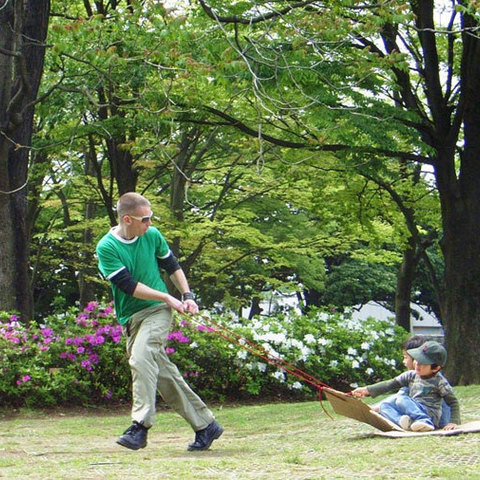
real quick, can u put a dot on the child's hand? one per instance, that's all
(361, 392)
(450, 426)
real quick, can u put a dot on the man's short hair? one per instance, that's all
(129, 202)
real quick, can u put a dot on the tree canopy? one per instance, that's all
(324, 148)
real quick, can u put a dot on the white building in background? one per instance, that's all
(422, 323)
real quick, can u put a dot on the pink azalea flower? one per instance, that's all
(91, 306)
(94, 358)
(86, 364)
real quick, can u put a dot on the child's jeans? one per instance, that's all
(444, 419)
(404, 405)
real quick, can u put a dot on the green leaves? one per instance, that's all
(201, 116)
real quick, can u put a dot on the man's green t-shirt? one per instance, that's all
(139, 257)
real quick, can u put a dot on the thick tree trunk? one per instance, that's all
(23, 29)
(460, 305)
(460, 201)
(121, 160)
(7, 253)
(461, 302)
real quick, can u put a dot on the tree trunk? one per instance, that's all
(405, 276)
(460, 200)
(121, 159)
(255, 308)
(7, 257)
(460, 305)
(311, 298)
(23, 29)
(86, 270)
(178, 185)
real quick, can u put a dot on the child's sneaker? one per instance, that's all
(420, 426)
(405, 422)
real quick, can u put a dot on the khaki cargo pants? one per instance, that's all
(151, 370)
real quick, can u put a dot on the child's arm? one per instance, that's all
(377, 389)
(452, 402)
(361, 392)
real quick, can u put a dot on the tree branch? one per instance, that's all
(249, 21)
(239, 125)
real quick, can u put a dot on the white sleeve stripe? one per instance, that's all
(116, 272)
(167, 255)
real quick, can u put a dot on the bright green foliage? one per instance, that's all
(137, 107)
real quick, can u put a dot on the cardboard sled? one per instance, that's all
(349, 406)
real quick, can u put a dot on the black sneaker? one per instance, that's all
(134, 437)
(204, 438)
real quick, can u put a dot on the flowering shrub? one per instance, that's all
(71, 359)
(330, 346)
(78, 358)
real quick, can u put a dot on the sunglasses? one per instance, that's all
(142, 219)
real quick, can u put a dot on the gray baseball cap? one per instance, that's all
(428, 353)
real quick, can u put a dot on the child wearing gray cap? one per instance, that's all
(421, 409)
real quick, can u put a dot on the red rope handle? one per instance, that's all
(261, 352)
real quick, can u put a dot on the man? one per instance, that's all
(128, 256)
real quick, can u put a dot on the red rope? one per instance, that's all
(261, 352)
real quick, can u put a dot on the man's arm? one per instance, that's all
(144, 292)
(179, 279)
(124, 280)
(177, 276)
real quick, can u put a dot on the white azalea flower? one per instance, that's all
(309, 338)
(242, 354)
(261, 367)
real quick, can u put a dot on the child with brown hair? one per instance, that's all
(421, 409)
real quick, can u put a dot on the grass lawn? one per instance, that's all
(273, 441)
